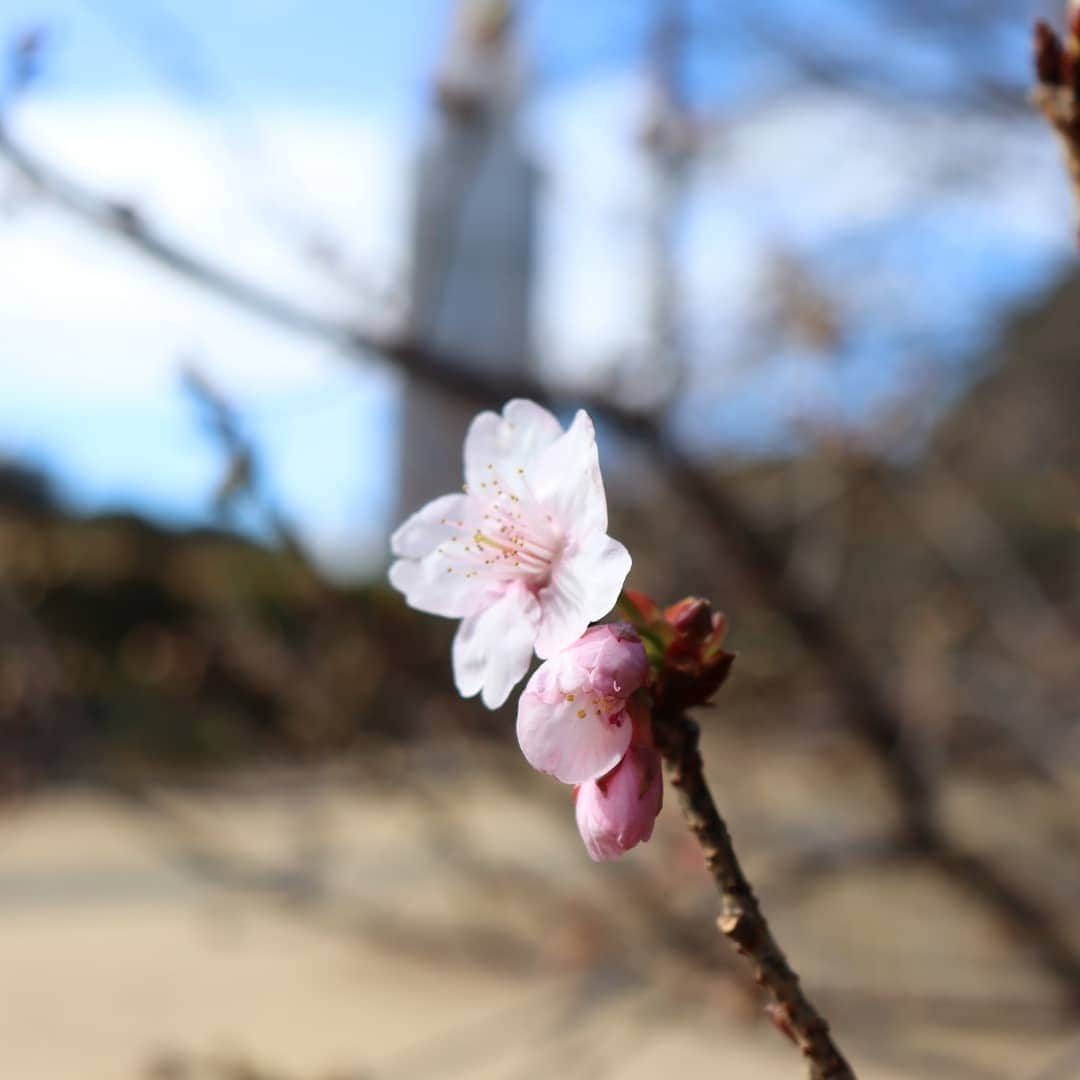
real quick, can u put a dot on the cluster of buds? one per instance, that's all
(685, 644)
(585, 716)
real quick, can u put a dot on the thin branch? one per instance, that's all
(741, 919)
(1057, 92)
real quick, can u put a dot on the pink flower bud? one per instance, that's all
(614, 659)
(618, 811)
(572, 720)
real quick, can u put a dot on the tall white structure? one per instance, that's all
(472, 243)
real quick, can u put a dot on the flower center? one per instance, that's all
(516, 538)
(600, 707)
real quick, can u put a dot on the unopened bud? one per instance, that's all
(695, 664)
(691, 618)
(617, 812)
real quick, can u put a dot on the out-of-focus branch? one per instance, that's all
(866, 709)
(741, 919)
(1057, 91)
(821, 63)
(243, 477)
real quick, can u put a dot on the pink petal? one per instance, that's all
(558, 740)
(493, 649)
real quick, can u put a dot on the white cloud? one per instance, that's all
(173, 167)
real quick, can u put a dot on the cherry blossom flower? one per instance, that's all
(522, 555)
(573, 721)
(618, 811)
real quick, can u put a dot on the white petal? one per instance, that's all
(573, 748)
(567, 481)
(508, 442)
(430, 578)
(431, 525)
(584, 586)
(433, 585)
(563, 619)
(492, 649)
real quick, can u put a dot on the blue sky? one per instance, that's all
(277, 51)
(252, 127)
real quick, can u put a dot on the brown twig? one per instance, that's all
(741, 919)
(1056, 93)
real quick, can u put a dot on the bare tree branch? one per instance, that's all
(1056, 94)
(741, 919)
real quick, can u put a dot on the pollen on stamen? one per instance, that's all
(569, 697)
(581, 714)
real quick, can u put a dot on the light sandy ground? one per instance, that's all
(129, 943)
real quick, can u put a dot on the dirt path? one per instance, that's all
(126, 952)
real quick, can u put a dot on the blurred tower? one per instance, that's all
(670, 138)
(472, 242)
